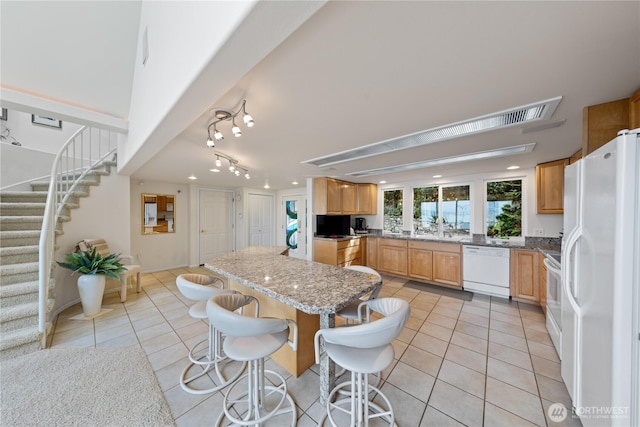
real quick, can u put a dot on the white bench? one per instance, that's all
(127, 262)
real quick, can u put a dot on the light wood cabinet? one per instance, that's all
(575, 157)
(392, 256)
(550, 186)
(420, 261)
(348, 197)
(634, 110)
(525, 282)
(542, 275)
(367, 199)
(446, 268)
(372, 252)
(601, 123)
(335, 197)
(435, 262)
(340, 253)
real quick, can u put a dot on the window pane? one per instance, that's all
(456, 210)
(425, 210)
(504, 208)
(393, 211)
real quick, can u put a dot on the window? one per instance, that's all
(392, 211)
(441, 210)
(425, 210)
(504, 208)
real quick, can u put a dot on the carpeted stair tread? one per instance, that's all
(19, 288)
(19, 337)
(18, 311)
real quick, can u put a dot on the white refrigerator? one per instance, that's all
(600, 273)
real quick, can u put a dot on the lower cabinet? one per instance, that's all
(372, 252)
(525, 275)
(434, 262)
(340, 253)
(446, 268)
(392, 256)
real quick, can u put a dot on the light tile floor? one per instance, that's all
(486, 362)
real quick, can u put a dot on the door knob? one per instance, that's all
(202, 231)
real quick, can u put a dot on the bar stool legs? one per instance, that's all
(357, 404)
(258, 401)
(214, 360)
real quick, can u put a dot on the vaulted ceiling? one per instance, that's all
(354, 74)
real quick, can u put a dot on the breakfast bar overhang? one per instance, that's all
(308, 292)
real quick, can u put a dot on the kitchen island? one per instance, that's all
(308, 292)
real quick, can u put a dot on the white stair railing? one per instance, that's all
(84, 152)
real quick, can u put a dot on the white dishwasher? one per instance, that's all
(486, 270)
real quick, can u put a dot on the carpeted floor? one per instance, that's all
(82, 387)
(441, 290)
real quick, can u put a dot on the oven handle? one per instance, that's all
(551, 267)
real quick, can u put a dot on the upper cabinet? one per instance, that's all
(550, 186)
(367, 199)
(601, 123)
(634, 110)
(335, 197)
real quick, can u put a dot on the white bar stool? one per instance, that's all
(350, 312)
(251, 339)
(363, 349)
(201, 288)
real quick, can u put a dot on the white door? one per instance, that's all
(261, 220)
(294, 228)
(215, 221)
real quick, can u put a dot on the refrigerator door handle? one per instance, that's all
(567, 271)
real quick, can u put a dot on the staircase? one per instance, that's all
(25, 297)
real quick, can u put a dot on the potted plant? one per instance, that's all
(93, 269)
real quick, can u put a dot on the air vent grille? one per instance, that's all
(501, 152)
(542, 110)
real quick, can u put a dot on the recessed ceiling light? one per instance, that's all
(295, 182)
(192, 177)
(480, 155)
(267, 186)
(537, 111)
(514, 167)
(214, 170)
(437, 176)
(383, 182)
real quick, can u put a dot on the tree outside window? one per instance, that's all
(504, 208)
(441, 210)
(392, 211)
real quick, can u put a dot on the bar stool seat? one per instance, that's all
(363, 349)
(209, 357)
(350, 312)
(251, 339)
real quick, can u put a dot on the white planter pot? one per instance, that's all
(91, 288)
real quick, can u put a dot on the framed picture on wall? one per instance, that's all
(4, 114)
(46, 121)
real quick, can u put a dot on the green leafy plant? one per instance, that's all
(85, 262)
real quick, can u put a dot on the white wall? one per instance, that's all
(37, 137)
(19, 165)
(551, 224)
(162, 251)
(104, 214)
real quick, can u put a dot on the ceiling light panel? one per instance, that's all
(480, 155)
(541, 110)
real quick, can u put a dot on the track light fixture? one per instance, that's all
(223, 115)
(234, 167)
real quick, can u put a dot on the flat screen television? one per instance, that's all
(333, 225)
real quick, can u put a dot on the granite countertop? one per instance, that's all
(308, 286)
(545, 244)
